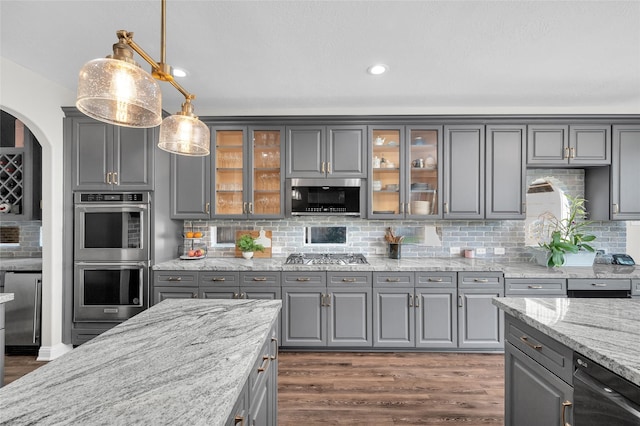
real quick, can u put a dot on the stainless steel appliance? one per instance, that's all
(326, 259)
(325, 196)
(23, 313)
(600, 289)
(111, 256)
(601, 397)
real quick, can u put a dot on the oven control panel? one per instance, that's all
(124, 197)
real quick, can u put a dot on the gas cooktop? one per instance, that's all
(326, 259)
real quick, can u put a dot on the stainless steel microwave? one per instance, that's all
(325, 197)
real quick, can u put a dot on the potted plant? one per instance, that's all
(569, 237)
(247, 245)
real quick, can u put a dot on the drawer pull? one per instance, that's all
(526, 341)
(175, 279)
(599, 284)
(265, 364)
(349, 280)
(435, 280)
(303, 279)
(481, 280)
(565, 404)
(393, 280)
(218, 279)
(194, 295)
(275, 340)
(238, 420)
(259, 278)
(536, 287)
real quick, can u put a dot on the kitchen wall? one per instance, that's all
(367, 236)
(30, 241)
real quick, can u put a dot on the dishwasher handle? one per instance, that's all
(37, 314)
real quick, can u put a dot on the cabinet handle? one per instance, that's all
(275, 340)
(322, 169)
(329, 168)
(328, 299)
(408, 208)
(194, 295)
(566, 152)
(108, 178)
(236, 295)
(524, 207)
(174, 279)
(238, 420)
(34, 337)
(599, 284)
(460, 301)
(411, 300)
(259, 278)
(572, 152)
(207, 206)
(265, 364)
(616, 209)
(349, 280)
(563, 417)
(435, 280)
(244, 208)
(322, 300)
(115, 178)
(446, 207)
(250, 208)
(243, 295)
(218, 279)
(416, 301)
(393, 280)
(303, 279)
(536, 287)
(481, 280)
(526, 341)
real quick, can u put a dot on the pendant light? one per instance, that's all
(116, 90)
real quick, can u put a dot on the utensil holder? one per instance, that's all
(394, 250)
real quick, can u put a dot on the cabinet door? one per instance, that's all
(230, 183)
(533, 395)
(590, 145)
(349, 317)
(133, 158)
(303, 316)
(306, 151)
(422, 182)
(219, 292)
(346, 152)
(161, 293)
(190, 187)
(92, 154)
(394, 317)
(386, 175)
(625, 173)
(547, 145)
(464, 172)
(480, 322)
(437, 318)
(266, 165)
(506, 172)
(240, 412)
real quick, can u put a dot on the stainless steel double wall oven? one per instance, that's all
(111, 255)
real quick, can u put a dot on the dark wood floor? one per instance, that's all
(375, 388)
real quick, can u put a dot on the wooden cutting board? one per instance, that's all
(266, 236)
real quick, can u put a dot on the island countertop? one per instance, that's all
(604, 330)
(6, 297)
(183, 361)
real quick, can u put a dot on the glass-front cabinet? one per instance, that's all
(404, 180)
(248, 172)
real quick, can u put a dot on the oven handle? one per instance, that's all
(118, 206)
(112, 265)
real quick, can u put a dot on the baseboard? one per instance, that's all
(49, 353)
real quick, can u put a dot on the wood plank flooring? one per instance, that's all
(332, 388)
(390, 388)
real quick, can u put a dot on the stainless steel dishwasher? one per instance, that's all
(23, 313)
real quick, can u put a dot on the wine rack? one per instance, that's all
(12, 181)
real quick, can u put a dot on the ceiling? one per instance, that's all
(310, 57)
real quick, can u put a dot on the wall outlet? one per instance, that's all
(454, 250)
(481, 250)
(276, 250)
(499, 250)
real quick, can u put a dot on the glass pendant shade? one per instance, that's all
(184, 135)
(118, 92)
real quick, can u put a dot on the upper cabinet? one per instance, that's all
(326, 151)
(561, 145)
(110, 158)
(404, 179)
(625, 173)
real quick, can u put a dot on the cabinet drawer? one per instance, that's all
(547, 352)
(312, 278)
(533, 287)
(480, 279)
(262, 366)
(436, 279)
(175, 278)
(598, 284)
(213, 278)
(349, 278)
(393, 279)
(257, 278)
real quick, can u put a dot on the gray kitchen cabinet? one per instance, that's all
(218, 285)
(436, 310)
(535, 287)
(393, 310)
(349, 304)
(110, 158)
(538, 378)
(161, 293)
(561, 145)
(506, 172)
(464, 172)
(240, 412)
(480, 322)
(625, 173)
(190, 187)
(326, 151)
(174, 284)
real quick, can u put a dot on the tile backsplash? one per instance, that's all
(436, 238)
(28, 233)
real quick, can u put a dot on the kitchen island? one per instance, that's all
(179, 362)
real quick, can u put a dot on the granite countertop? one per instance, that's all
(182, 361)
(21, 264)
(604, 330)
(383, 264)
(6, 297)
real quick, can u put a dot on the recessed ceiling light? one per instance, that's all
(178, 72)
(377, 69)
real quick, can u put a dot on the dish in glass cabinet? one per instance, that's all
(392, 143)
